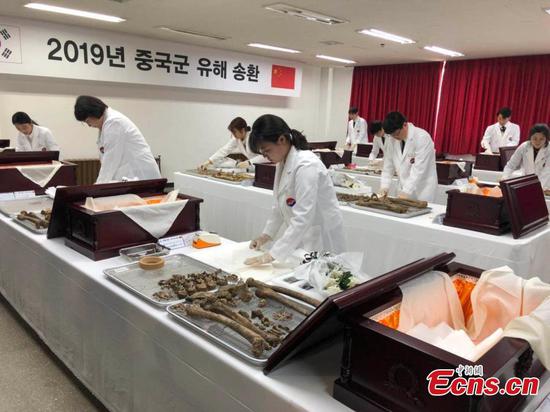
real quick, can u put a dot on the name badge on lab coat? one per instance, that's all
(290, 201)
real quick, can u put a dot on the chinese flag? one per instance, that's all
(282, 77)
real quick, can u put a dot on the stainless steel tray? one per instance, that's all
(30, 226)
(135, 253)
(412, 213)
(240, 183)
(363, 172)
(35, 204)
(231, 340)
(349, 191)
(144, 283)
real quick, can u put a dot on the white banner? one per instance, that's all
(52, 50)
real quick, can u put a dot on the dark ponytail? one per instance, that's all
(22, 118)
(238, 123)
(268, 128)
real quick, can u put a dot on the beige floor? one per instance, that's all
(31, 377)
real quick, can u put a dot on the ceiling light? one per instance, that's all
(547, 10)
(440, 50)
(74, 12)
(335, 59)
(304, 14)
(191, 33)
(268, 47)
(387, 36)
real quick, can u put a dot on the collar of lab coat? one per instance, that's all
(408, 143)
(541, 157)
(291, 162)
(33, 134)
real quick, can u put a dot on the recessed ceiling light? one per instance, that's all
(335, 59)
(74, 12)
(268, 47)
(386, 36)
(547, 10)
(441, 50)
(303, 14)
(191, 33)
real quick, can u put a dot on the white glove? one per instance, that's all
(259, 241)
(205, 165)
(260, 260)
(243, 165)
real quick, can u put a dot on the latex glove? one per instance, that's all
(259, 241)
(403, 196)
(243, 165)
(483, 145)
(260, 260)
(205, 165)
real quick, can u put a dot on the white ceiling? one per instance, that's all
(477, 28)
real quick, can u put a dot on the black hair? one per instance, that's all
(88, 106)
(268, 128)
(393, 121)
(375, 126)
(238, 123)
(540, 128)
(506, 112)
(353, 110)
(22, 118)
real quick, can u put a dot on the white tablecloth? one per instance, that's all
(240, 212)
(133, 356)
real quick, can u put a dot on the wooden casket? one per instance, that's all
(521, 208)
(495, 162)
(331, 145)
(4, 143)
(448, 171)
(264, 175)
(333, 158)
(11, 180)
(100, 235)
(384, 369)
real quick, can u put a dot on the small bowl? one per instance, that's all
(151, 262)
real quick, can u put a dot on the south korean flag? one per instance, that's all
(10, 44)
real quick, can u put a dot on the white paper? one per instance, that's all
(157, 219)
(40, 174)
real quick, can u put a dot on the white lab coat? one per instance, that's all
(40, 139)
(126, 154)
(237, 146)
(314, 222)
(524, 158)
(494, 139)
(415, 167)
(377, 145)
(357, 133)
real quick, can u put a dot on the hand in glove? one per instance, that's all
(259, 241)
(260, 260)
(243, 165)
(205, 165)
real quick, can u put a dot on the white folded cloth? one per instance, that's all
(40, 174)
(156, 219)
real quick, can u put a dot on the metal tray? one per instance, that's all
(35, 204)
(231, 340)
(348, 191)
(363, 172)
(144, 283)
(30, 226)
(413, 211)
(135, 253)
(240, 183)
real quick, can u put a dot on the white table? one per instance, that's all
(133, 356)
(240, 212)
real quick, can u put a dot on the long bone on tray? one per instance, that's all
(271, 294)
(250, 282)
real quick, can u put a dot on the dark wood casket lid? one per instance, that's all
(323, 145)
(4, 143)
(364, 149)
(24, 157)
(67, 195)
(506, 153)
(325, 319)
(524, 200)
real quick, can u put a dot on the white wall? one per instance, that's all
(184, 126)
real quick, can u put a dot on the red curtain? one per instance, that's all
(474, 90)
(409, 88)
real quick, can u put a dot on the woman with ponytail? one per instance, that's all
(32, 137)
(305, 203)
(237, 145)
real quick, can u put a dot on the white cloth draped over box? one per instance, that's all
(240, 212)
(133, 356)
(40, 174)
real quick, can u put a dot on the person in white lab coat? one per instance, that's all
(31, 136)
(237, 145)
(410, 153)
(305, 204)
(380, 138)
(502, 133)
(533, 156)
(357, 129)
(125, 155)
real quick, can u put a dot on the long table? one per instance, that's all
(133, 356)
(240, 212)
